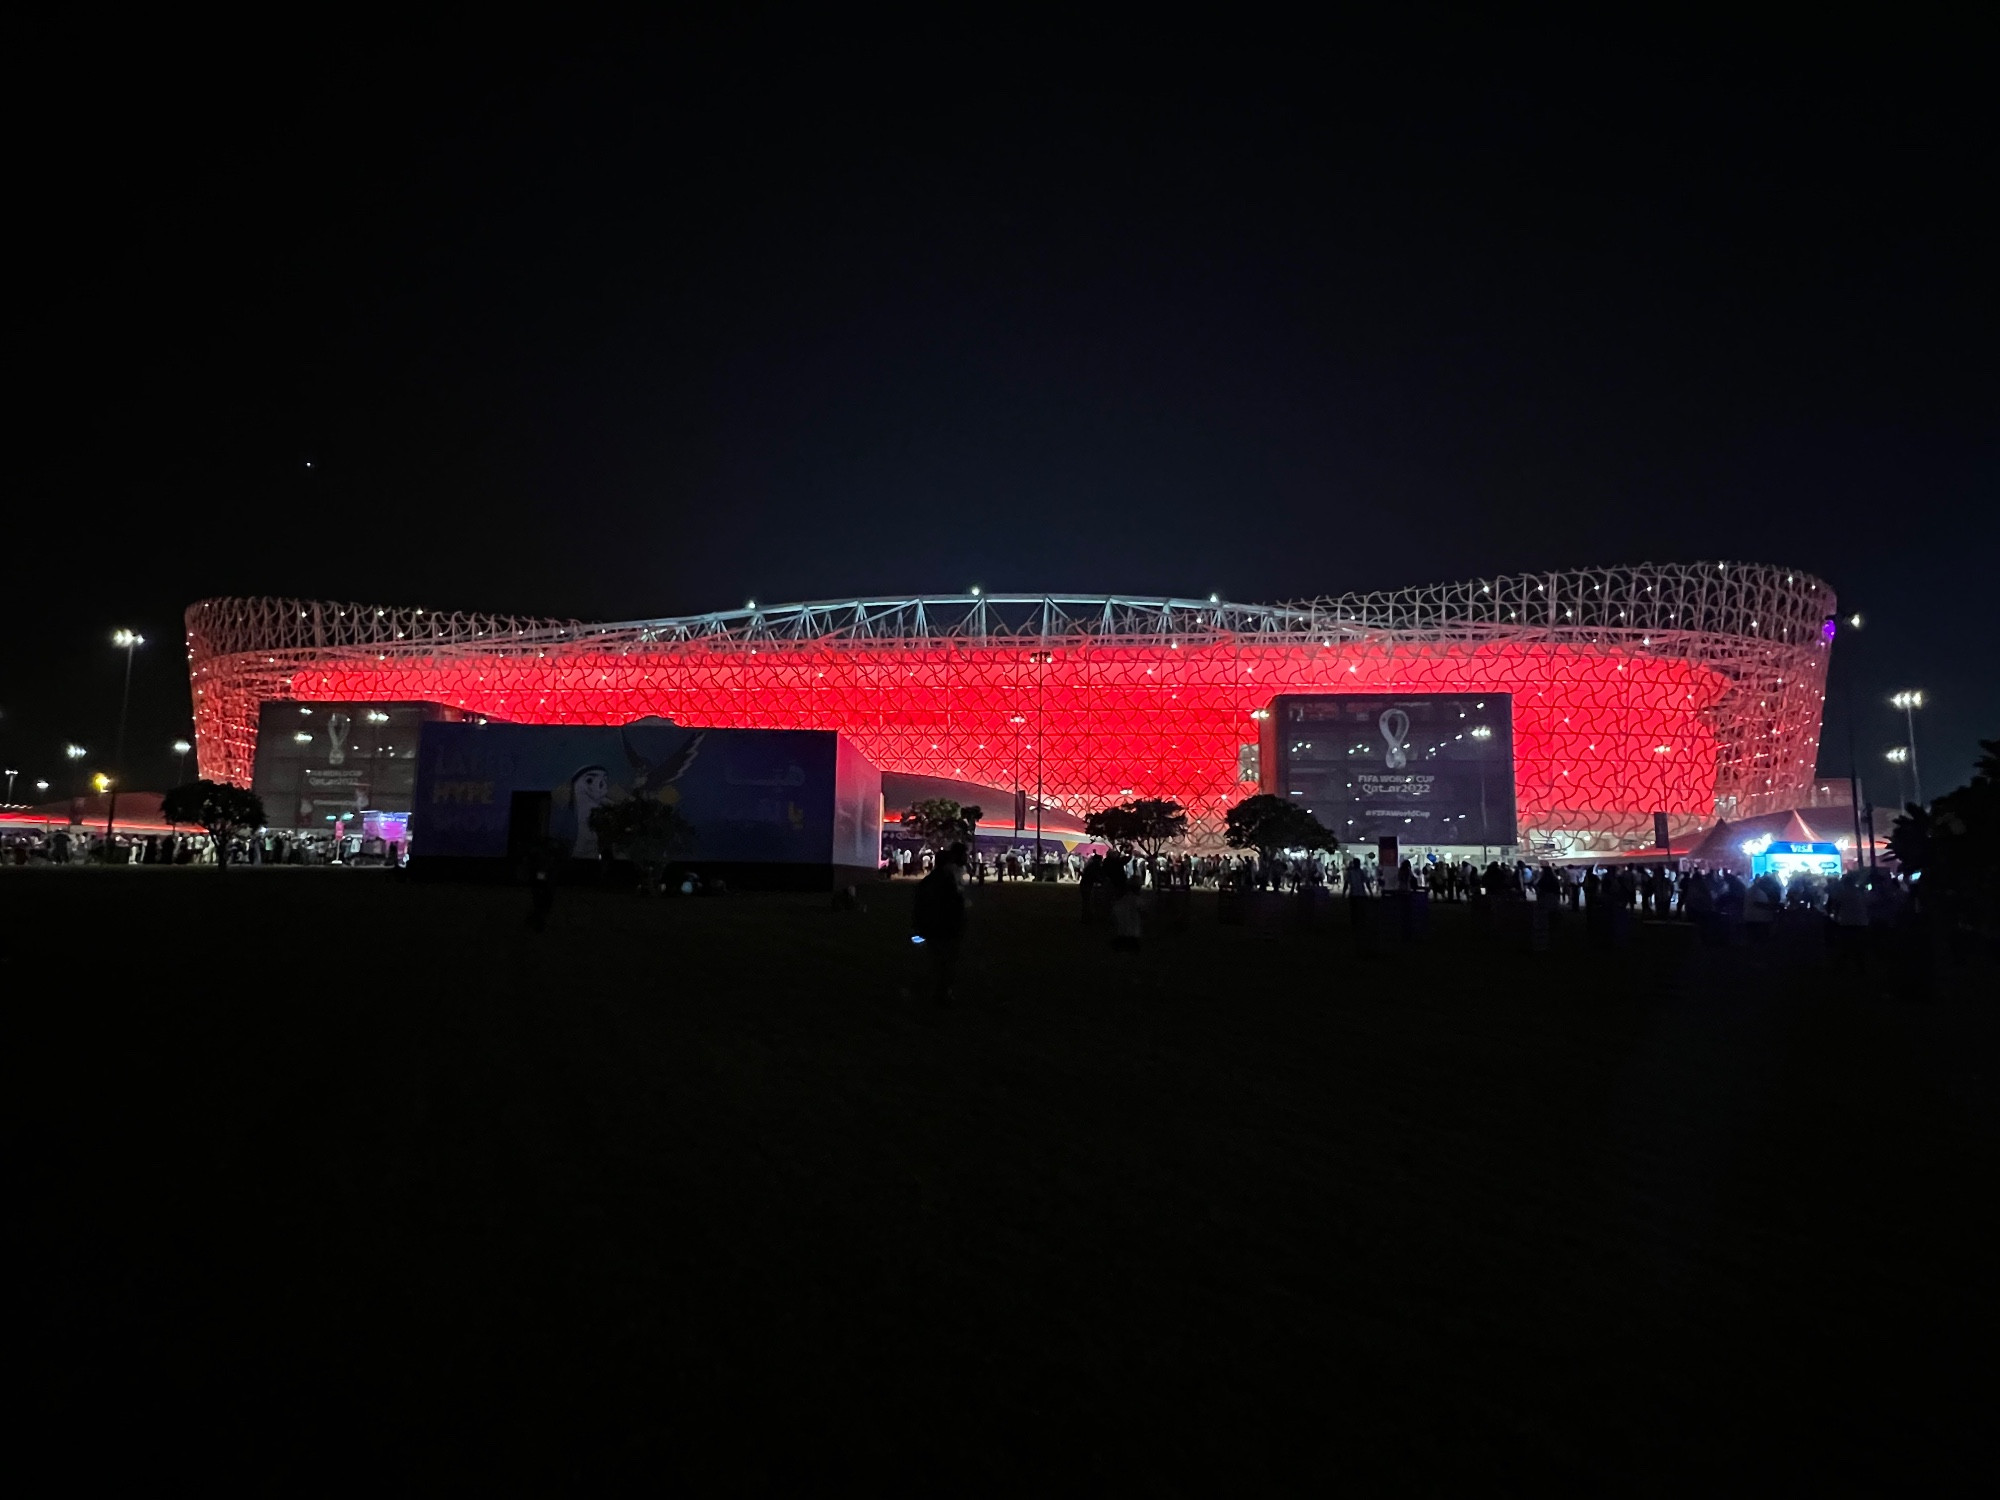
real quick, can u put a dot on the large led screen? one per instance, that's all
(1429, 768)
(318, 762)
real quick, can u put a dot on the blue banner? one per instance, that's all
(746, 794)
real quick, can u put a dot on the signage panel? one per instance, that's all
(785, 796)
(317, 762)
(1424, 768)
(1786, 859)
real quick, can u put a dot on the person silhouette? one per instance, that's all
(938, 915)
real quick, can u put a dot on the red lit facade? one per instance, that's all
(1695, 690)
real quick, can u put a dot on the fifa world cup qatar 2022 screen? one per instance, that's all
(1428, 768)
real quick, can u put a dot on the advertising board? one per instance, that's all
(1785, 860)
(784, 796)
(1424, 768)
(317, 762)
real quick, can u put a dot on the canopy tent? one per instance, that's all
(1723, 844)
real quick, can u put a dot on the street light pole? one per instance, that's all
(1900, 757)
(181, 748)
(128, 639)
(1017, 721)
(1909, 703)
(1041, 660)
(1854, 792)
(11, 774)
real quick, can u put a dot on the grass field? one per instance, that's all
(326, 1174)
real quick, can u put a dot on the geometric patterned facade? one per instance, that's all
(1692, 689)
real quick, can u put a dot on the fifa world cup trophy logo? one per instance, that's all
(336, 739)
(1396, 732)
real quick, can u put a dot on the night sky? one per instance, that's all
(647, 325)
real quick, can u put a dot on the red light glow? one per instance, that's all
(1691, 689)
(1160, 722)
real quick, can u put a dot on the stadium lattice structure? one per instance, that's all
(1691, 689)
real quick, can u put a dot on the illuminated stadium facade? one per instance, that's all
(1690, 689)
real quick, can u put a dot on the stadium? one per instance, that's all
(1695, 690)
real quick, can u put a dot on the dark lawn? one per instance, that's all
(322, 1173)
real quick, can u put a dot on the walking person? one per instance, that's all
(938, 914)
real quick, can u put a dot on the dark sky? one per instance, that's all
(649, 326)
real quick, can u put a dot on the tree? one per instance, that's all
(941, 822)
(1271, 824)
(1946, 849)
(218, 809)
(1144, 827)
(644, 830)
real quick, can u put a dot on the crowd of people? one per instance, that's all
(981, 865)
(1114, 885)
(64, 846)
(1655, 889)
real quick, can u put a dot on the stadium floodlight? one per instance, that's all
(1909, 701)
(125, 640)
(75, 752)
(1899, 757)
